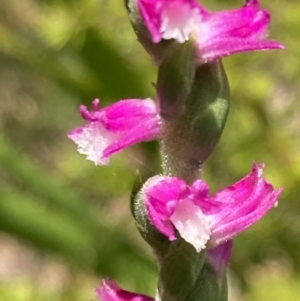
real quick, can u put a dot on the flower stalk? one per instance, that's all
(190, 230)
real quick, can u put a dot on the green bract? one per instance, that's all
(191, 137)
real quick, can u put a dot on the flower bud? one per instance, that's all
(175, 79)
(190, 138)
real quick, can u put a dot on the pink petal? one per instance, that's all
(219, 257)
(202, 198)
(244, 203)
(161, 195)
(144, 129)
(126, 114)
(121, 115)
(110, 291)
(245, 22)
(224, 47)
(233, 227)
(242, 189)
(235, 31)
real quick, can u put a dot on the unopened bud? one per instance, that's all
(175, 79)
(191, 138)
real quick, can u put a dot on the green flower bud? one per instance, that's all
(176, 75)
(191, 137)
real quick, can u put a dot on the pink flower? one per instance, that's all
(215, 34)
(116, 127)
(110, 291)
(205, 220)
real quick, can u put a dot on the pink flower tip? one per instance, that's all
(110, 291)
(206, 220)
(111, 129)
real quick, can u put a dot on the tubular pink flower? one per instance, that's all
(110, 291)
(216, 34)
(116, 127)
(202, 219)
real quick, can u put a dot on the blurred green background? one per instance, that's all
(64, 223)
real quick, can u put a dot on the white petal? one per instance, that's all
(192, 224)
(179, 21)
(92, 140)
